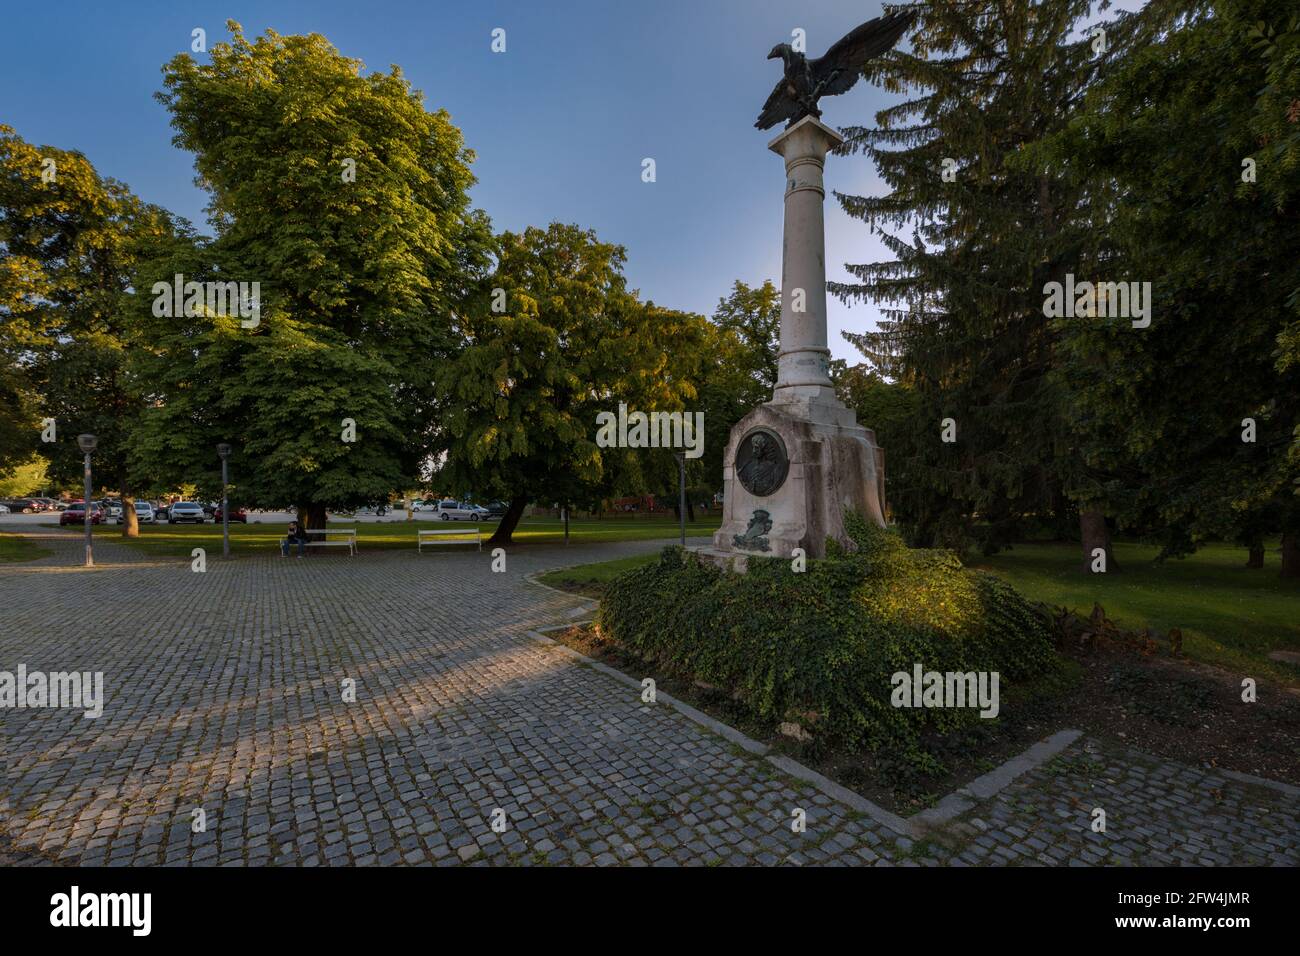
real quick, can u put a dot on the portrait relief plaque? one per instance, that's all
(761, 462)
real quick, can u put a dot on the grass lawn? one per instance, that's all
(1229, 615)
(591, 579)
(180, 539)
(15, 548)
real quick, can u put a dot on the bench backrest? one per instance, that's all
(351, 531)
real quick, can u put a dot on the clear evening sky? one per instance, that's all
(560, 122)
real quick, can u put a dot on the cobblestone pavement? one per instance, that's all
(1157, 813)
(225, 698)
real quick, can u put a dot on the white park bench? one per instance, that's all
(432, 536)
(344, 538)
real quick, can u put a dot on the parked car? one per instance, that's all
(182, 511)
(112, 507)
(160, 512)
(497, 509)
(75, 513)
(449, 510)
(23, 506)
(4, 509)
(144, 513)
(236, 514)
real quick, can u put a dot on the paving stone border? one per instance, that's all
(945, 820)
(916, 826)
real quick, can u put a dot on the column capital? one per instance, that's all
(809, 138)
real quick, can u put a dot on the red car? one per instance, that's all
(75, 513)
(236, 514)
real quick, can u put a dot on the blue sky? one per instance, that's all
(561, 121)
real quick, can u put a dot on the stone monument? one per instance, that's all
(796, 465)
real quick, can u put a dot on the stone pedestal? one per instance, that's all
(825, 461)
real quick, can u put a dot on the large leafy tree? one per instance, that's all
(69, 243)
(18, 406)
(741, 367)
(735, 372)
(346, 200)
(1161, 414)
(553, 338)
(964, 330)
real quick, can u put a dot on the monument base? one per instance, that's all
(835, 466)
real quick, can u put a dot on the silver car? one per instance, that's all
(183, 511)
(458, 511)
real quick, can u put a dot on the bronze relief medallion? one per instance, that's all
(761, 462)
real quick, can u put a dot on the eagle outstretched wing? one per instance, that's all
(780, 107)
(840, 68)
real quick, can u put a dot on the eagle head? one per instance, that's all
(779, 51)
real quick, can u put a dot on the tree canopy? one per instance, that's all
(553, 338)
(1039, 146)
(346, 201)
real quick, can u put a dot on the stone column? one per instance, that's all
(803, 375)
(815, 462)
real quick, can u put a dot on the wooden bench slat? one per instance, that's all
(422, 534)
(350, 541)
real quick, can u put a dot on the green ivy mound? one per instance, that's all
(820, 647)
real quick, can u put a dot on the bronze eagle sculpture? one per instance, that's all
(806, 81)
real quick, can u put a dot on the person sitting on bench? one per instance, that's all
(293, 536)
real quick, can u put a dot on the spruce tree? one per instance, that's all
(1187, 164)
(964, 330)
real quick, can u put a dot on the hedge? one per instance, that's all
(820, 646)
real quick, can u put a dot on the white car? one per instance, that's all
(144, 514)
(456, 511)
(4, 509)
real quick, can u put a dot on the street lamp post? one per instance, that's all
(681, 491)
(88, 443)
(224, 451)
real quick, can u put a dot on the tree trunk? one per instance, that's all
(1095, 534)
(690, 510)
(509, 521)
(130, 521)
(1291, 554)
(1256, 559)
(311, 516)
